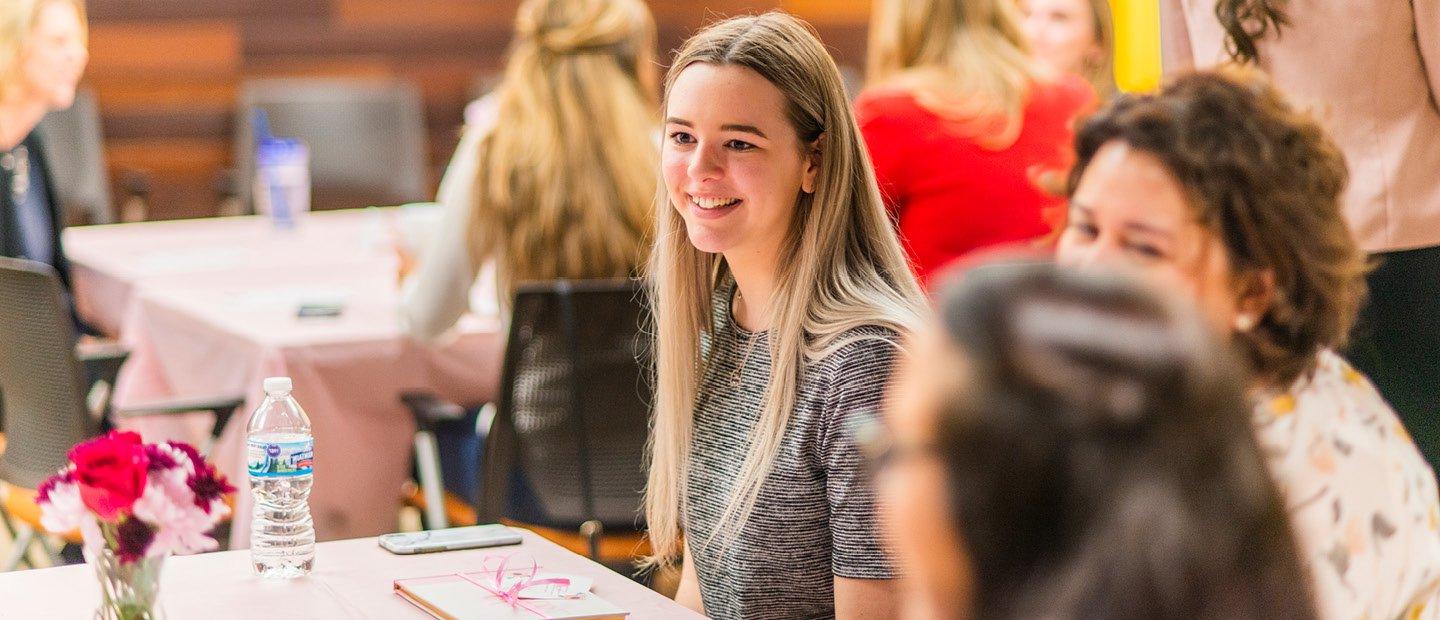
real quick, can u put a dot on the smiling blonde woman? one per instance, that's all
(780, 294)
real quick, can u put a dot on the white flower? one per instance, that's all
(64, 511)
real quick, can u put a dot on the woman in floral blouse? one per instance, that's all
(1218, 189)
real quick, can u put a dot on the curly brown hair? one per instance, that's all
(1266, 181)
(1247, 21)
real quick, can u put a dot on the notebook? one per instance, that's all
(452, 597)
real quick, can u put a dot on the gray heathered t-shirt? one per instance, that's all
(815, 516)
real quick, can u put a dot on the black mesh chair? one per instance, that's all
(54, 394)
(565, 449)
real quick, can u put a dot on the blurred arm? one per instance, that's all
(1427, 38)
(1175, 50)
(436, 294)
(865, 598)
(688, 593)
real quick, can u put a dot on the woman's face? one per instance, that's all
(914, 498)
(1062, 34)
(1129, 211)
(54, 57)
(732, 163)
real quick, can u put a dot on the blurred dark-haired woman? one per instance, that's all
(1216, 188)
(1069, 445)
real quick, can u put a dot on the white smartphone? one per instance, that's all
(452, 539)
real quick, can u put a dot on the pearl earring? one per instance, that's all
(1244, 323)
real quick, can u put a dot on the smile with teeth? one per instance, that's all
(713, 203)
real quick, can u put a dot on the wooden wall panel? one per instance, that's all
(827, 12)
(179, 48)
(102, 11)
(437, 14)
(166, 72)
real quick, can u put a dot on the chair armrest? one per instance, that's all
(99, 349)
(429, 409)
(223, 408)
(100, 360)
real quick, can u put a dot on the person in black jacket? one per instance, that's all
(42, 55)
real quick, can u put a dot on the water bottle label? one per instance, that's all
(271, 459)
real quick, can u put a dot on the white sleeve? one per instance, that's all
(434, 297)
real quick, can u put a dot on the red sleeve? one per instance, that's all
(886, 137)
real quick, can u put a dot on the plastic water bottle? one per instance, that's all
(280, 452)
(282, 180)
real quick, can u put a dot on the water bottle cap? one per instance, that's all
(278, 385)
(281, 152)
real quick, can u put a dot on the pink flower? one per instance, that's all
(154, 499)
(160, 457)
(181, 527)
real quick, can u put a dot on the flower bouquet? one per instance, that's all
(134, 504)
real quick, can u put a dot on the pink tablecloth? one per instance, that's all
(208, 308)
(352, 579)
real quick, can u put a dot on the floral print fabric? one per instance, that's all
(1361, 498)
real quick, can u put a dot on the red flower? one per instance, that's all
(208, 486)
(132, 538)
(110, 472)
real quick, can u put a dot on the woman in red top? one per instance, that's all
(962, 125)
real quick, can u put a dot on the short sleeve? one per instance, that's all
(856, 393)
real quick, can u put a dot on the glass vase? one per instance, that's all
(128, 591)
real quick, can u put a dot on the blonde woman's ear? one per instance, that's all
(812, 168)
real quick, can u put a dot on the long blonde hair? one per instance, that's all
(567, 176)
(964, 60)
(844, 268)
(1100, 73)
(17, 24)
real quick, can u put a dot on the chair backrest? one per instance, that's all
(573, 412)
(75, 153)
(42, 409)
(366, 138)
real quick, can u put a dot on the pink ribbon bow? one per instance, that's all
(511, 595)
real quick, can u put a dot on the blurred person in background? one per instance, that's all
(555, 179)
(1370, 71)
(1038, 466)
(1217, 188)
(42, 56)
(960, 121)
(558, 178)
(780, 298)
(1074, 36)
